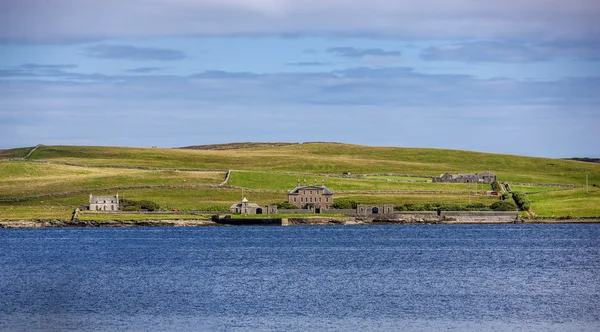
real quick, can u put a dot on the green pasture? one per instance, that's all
(565, 203)
(535, 189)
(328, 158)
(289, 215)
(21, 179)
(140, 217)
(266, 180)
(14, 153)
(397, 178)
(12, 212)
(183, 199)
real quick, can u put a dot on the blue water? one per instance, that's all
(314, 278)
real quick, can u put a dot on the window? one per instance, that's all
(310, 192)
(294, 199)
(303, 192)
(326, 199)
(302, 199)
(319, 199)
(311, 199)
(326, 206)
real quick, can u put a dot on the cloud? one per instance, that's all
(133, 53)
(499, 51)
(351, 52)
(361, 105)
(308, 64)
(144, 70)
(367, 55)
(47, 66)
(33, 20)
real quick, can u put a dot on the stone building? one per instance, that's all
(385, 209)
(483, 177)
(315, 196)
(104, 203)
(246, 208)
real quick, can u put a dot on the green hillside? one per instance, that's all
(189, 179)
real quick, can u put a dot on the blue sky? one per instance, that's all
(518, 77)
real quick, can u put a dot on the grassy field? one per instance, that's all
(320, 158)
(35, 212)
(140, 217)
(277, 216)
(574, 203)
(397, 178)
(14, 153)
(260, 168)
(535, 189)
(266, 180)
(399, 199)
(20, 179)
(185, 199)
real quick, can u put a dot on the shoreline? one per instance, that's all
(257, 222)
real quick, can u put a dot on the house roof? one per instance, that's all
(102, 199)
(239, 205)
(325, 190)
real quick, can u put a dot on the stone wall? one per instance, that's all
(341, 211)
(478, 217)
(296, 211)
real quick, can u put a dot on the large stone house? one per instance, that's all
(305, 196)
(246, 208)
(104, 203)
(483, 177)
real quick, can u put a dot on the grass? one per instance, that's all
(278, 216)
(535, 189)
(14, 153)
(399, 199)
(397, 178)
(262, 166)
(265, 180)
(21, 179)
(565, 203)
(34, 212)
(140, 217)
(331, 158)
(182, 199)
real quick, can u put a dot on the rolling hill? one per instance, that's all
(55, 179)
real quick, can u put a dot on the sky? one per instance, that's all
(517, 77)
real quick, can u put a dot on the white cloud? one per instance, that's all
(81, 19)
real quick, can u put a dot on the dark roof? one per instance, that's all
(325, 190)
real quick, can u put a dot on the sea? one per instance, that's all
(513, 277)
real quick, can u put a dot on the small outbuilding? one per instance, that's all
(246, 207)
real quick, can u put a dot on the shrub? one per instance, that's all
(148, 205)
(131, 205)
(477, 207)
(343, 203)
(286, 206)
(504, 206)
(521, 200)
(497, 187)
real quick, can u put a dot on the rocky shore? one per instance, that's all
(283, 221)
